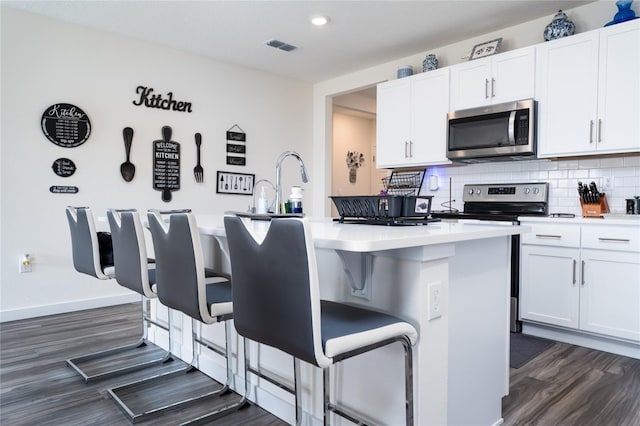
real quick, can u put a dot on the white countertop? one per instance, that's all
(607, 219)
(368, 238)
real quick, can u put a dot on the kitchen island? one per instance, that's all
(450, 279)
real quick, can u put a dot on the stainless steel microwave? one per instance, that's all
(497, 132)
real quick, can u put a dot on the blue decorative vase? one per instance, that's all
(559, 27)
(625, 13)
(430, 63)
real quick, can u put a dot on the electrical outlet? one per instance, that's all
(25, 264)
(434, 300)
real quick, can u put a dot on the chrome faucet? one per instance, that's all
(303, 174)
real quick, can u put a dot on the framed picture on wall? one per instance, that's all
(487, 48)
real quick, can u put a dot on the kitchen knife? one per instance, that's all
(594, 190)
(581, 192)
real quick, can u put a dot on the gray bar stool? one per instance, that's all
(182, 285)
(282, 269)
(133, 272)
(92, 251)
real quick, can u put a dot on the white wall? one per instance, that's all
(586, 18)
(46, 62)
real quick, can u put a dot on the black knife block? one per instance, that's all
(595, 209)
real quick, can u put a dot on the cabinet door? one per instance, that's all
(610, 293)
(549, 290)
(513, 76)
(566, 89)
(429, 108)
(471, 84)
(393, 123)
(619, 89)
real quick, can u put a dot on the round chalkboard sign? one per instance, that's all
(66, 125)
(63, 167)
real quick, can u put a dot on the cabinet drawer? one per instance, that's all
(552, 235)
(621, 238)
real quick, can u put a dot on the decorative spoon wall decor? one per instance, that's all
(127, 169)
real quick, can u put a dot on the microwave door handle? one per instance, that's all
(512, 129)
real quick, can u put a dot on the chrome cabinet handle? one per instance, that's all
(575, 264)
(599, 130)
(614, 240)
(582, 273)
(590, 131)
(493, 87)
(406, 144)
(486, 88)
(410, 149)
(555, 237)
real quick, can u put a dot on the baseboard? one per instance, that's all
(577, 338)
(61, 308)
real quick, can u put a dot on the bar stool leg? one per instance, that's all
(297, 384)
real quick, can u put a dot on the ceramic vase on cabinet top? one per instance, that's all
(430, 63)
(625, 13)
(559, 27)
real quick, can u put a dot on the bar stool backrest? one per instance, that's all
(88, 257)
(276, 297)
(130, 251)
(180, 277)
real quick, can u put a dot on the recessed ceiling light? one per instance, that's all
(319, 20)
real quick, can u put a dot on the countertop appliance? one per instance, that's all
(497, 132)
(633, 205)
(504, 202)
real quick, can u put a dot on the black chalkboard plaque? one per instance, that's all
(166, 164)
(236, 136)
(236, 147)
(66, 125)
(64, 167)
(62, 189)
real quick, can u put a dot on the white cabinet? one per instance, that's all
(501, 78)
(549, 289)
(412, 120)
(588, 92)
(594, 287)
(610, 281)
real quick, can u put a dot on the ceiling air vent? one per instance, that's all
(280, 45)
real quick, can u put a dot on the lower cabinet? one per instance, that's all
(610, 293)
(590, 284)
(549, 292)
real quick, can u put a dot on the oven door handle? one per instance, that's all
(512, 128)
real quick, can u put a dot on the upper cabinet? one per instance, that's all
(588, 92)
(412, 120)
(501, 78)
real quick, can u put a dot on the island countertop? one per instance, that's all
(369, 238)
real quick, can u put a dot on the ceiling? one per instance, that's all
(360, 34)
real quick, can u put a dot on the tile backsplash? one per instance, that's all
(618, 177)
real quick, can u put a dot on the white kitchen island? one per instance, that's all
(450, 279)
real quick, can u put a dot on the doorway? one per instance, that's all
(353, 161)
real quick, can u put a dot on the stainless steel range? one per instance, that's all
(504, 202)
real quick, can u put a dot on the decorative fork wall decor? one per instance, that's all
(198, 171)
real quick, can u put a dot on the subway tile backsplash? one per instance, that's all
(618, 177)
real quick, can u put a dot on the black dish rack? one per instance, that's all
(384, 209)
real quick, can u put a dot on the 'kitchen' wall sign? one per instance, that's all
(152, 100)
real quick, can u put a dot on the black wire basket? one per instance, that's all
(403, 183)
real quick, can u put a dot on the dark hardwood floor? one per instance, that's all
(565, 385)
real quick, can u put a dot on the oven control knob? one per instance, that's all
(536, 190)
(527, 190)
(478, 191)
(471, 191)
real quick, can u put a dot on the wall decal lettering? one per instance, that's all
(152, 100)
